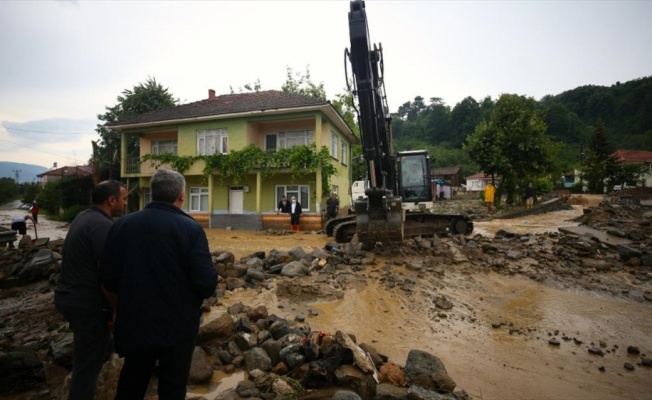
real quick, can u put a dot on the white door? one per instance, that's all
(236, 201)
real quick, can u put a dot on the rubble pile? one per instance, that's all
(286, 358)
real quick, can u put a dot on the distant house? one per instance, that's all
(452, 176)
(641, 157)
(477, 182)
(57, 174)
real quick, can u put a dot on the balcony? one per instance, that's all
(137, 167)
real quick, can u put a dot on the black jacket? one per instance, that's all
(158, 262)
(284, 208)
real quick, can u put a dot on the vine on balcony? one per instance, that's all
(238, 163)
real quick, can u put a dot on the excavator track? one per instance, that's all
(416, 224)
(330, 225)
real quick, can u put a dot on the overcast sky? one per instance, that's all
(63, 62)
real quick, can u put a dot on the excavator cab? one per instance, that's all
(414, 183)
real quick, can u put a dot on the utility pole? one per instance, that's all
(17, 172)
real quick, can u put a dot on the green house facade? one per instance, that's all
(269, 120)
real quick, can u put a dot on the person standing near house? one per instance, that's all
(332, 206)
(78, 295)
(34, 209)
(283, 206)
(295, 215)
(529, 196)
(489, 193)
(156, 269)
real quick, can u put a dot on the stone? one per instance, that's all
(416, 392)
(294, 269)
(393, 374)
(345, 395)
(200, 368)
(626, 252)
(386, 391)
(35, 267)
(223, 327)
(257, 358)
(421, 363)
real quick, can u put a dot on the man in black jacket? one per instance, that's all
(157, 269)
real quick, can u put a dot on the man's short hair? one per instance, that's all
(105, 189)
(166, 185)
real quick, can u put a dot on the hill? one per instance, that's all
(26, 172)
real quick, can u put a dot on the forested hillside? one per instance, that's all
(625, 109)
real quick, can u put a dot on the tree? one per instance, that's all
(599, 164)
(144, 97)
(303, 85)
(513, 144)
(466, 115)
(8, 190)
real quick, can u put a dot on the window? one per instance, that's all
(301, 192)
(345, 154)
(212, 141)
(335, 189)
(198, 199)
(286, 140)
(164, 146)
(334, 144)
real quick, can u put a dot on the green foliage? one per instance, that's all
(513, 144)
(236, 164)
(248, 87)
(29, 192)
(49, 199)
(144, 97)
(599, 164)
(8, 190)
(178, 163)
(70, 213)
(303, 85)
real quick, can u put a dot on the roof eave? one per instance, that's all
(326, 108)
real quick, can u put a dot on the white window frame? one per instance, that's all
(345, 154)
(164, 146)
(212, 141)
(289, 139)
(302, 193)
(196, 194)
(335, 141)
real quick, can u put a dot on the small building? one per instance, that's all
(452, 176)
(640, 157)
(58, 174)
(477, 182)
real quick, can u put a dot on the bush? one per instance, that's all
(71, 213)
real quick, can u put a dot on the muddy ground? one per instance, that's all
(514, 359)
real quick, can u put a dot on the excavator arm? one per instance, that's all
(379, 216)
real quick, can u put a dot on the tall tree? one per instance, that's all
(144, 97)
(600, 164)
(513, 144)
(302, 84)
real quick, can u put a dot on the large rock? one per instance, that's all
(416, 392)
(294, 268)
(386, 391)
(626, 252)
(257, 358)
(421, 365)
(35, 267)
(223, 327)
(200, 368)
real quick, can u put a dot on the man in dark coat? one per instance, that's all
(78, 295)
(295, 215)
(157, 269)
(332, 206)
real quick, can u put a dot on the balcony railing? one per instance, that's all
(136, 166)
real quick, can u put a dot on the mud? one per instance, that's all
(512, 360)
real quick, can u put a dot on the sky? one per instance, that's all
(63, 62)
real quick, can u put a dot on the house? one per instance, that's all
(268, 120)
(57, 174)
(477, 182)
(641, 157)
(452, 176)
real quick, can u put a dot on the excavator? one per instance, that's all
(398, 202)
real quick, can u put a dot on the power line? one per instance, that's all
(56, 133)
(41, 151)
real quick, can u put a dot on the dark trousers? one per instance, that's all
(173, 369)
(294, 219)
(90, 342)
